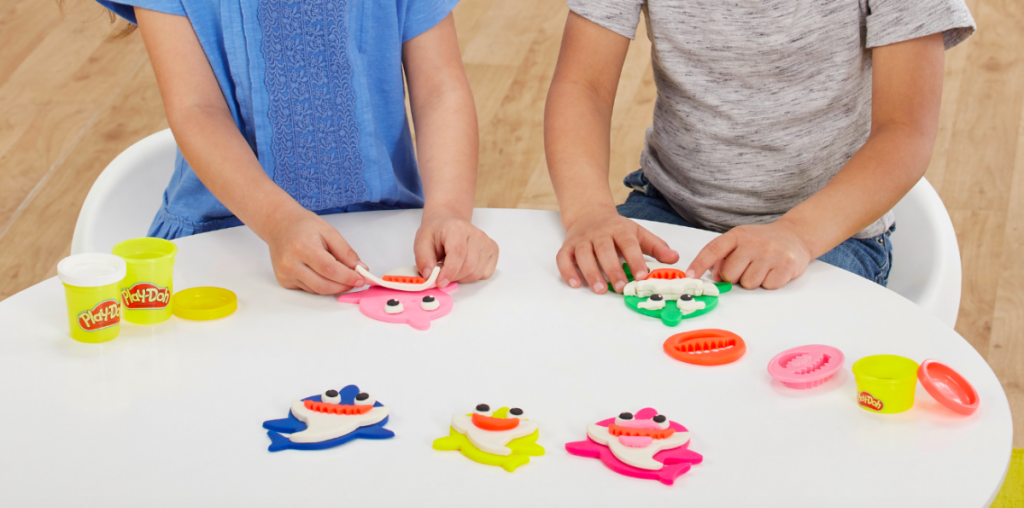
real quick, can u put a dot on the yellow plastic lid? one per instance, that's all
(204, 303)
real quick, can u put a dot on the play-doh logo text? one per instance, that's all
(105, 314)
(869, 401)
(145, 296)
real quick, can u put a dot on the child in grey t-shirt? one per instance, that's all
(791, 126)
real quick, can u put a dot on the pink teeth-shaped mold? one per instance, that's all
(806, 366)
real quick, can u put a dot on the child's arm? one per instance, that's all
(906, 92)
(307, 253)
(577, 127)
(447, 142)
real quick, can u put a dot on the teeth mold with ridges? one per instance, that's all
(806, 366)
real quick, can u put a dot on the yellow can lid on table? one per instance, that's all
(204, 303)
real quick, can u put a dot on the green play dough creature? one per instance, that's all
(670, 315)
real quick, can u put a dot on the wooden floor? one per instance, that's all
(70, 100)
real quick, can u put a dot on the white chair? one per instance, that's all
(124, 199)
(926, 258)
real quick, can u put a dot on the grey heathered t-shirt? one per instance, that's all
(761, 102)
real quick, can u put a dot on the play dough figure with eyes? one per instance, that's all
(332, 418)
(402, 296)
(645, 445)
(503, 438)
(667, 293)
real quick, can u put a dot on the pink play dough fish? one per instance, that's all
(639, 438)
(417, 308)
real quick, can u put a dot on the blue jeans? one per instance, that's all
(870, 258)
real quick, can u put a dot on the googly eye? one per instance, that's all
(364, 399)
(393, 306)
(686, 298)
(330, 397)
(661, 420)
(516, 413)
(623, 418)
(483, 410)
(657, 297)
(429, 303)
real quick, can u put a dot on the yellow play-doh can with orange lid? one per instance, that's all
(92, 293)
(148, 285)
(885, 383)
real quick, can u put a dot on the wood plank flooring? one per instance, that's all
(71, 99)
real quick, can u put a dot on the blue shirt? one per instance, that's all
(316, 88)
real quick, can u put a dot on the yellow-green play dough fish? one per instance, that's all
(503, 438)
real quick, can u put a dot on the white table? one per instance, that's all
(171, 415)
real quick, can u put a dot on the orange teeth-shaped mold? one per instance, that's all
(706, 347)
(618, 430)
(336, 409)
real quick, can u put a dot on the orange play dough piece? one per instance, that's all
(492, 423)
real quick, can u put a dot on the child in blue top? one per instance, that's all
(284, 110)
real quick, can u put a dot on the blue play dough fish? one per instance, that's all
(292, 425)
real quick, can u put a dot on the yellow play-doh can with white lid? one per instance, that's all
(92, 292)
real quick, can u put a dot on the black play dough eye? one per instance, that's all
(363, 396)
(483, 408)
(428, 298)
(657, 298)
(515, 411)
(393, 303)
(659, 419)
(332, 393)
(625, 416)
(686, 298)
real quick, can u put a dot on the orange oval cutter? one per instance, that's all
(706, 347)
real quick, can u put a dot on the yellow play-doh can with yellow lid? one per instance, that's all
(148, 285)
(92, 293)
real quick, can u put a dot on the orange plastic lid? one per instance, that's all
(948, 387)
(706, 347)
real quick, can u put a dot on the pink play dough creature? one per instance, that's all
(418, 308)
(638, 438)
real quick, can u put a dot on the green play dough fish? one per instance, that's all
(670, 315)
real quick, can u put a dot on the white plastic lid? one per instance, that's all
(91, 270)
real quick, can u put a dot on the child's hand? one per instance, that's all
(768, 256)
(468, 253)
(593, 243)
(309, 254)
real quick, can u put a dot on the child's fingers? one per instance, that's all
(734, 265)
(608, 257)
(776, 278)
(629, 246)
(318, 284)
(340, 249)
(425, 253)
(588, 265)
(754, 275)
(566, 266)
(716, 272)
(489, 266)
(715, 251)
(655, 247)
(455, 252)
(327, 267)
(470, 265)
